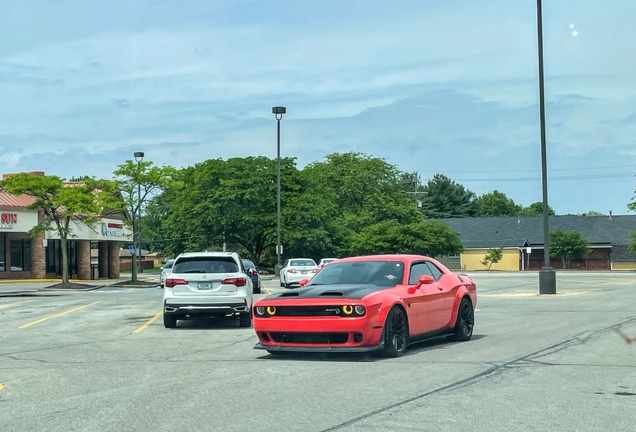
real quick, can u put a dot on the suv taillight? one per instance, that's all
(171, 283)
(239, 282)
(254, 272)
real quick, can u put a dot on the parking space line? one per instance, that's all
(1, 386)
(14, 303)
(56, 315)
(266, 289)
(150, 321)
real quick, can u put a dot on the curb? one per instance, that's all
(71, 289)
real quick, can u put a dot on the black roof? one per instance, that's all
(517, 231)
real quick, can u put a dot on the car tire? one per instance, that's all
(282, 284)
(395, 333)
(245, 320)
(169, 321)
(465, 322)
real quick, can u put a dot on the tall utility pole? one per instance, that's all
(547, 275)
(278, 112)
(139, 157)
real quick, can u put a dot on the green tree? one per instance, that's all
(445, 198)
(431, 238)
(138, 182)
(62, 204)
(493, 256)
(632, 245)
(357, 190)
(496, 203)
(567, 245)
(536, 209)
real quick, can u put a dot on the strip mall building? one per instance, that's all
(39, 257)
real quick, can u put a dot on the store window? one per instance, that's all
(54, 256)
(3, 245)
(21, 254)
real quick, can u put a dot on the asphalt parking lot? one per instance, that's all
(102, 361)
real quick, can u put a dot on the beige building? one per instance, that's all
(26, 257)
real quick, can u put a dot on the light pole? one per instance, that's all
(547, 275)
(278, 112)
(139, 157)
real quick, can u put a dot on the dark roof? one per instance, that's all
(489, 232)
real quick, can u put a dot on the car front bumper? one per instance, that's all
(361, 334)
(320, 349)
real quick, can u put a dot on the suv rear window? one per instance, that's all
(206, 264)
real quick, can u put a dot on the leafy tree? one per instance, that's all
(567, 245)
(61, 203)
(356, 191)
(632, 245)
(445, 198)
(493, 256)
(389, 237)
(497, 203)
(138, 183)
(536, 209)
(592, 213)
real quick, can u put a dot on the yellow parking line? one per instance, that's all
(14, 303)
(150, 321)
(265, 288)
(1, 386)
(56, 315)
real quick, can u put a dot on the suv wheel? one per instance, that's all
(169, 321)
(245, 319)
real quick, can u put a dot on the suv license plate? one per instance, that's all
(204, 285)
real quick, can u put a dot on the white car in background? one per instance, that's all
(166, 269)
(208, 285)
(323, 262)
(297, 269)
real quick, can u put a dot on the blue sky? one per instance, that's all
(432, 86)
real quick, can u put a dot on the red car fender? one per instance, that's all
(463, 291)
(387, 303)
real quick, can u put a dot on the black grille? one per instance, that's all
(311, 338)
(308, 310)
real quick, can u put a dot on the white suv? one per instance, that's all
(207, 284)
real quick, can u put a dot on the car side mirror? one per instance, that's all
(424, 280)
(161, 267)
(304, 282)
(249, 272)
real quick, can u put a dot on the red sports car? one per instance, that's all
(370, 303)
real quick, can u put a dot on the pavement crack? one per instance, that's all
(581, 338)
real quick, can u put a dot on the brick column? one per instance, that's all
(102, 259)
(83, 259)
(113, 260)
(38, 253)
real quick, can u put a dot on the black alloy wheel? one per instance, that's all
(465, 321)
(396, 333)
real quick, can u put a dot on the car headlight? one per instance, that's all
(360, 310)
(260, 310)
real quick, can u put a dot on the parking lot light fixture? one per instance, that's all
(139, 157)
(547, 276)
(278, 112)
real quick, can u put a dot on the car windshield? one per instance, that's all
(302, 263)
(248, 264)
(169, 264)
(381, 273)
(207, 264)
